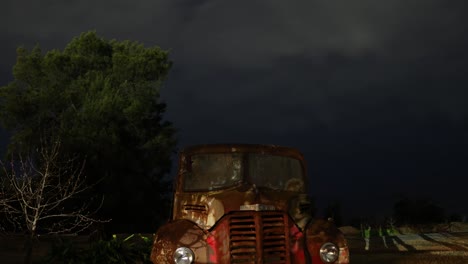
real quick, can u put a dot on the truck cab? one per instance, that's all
(239, 203)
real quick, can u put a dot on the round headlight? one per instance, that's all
(183, 255)
(329, 252)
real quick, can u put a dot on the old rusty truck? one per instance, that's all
(242, 203)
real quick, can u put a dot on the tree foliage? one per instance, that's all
(101, 98)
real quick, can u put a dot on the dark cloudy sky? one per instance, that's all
(372, 92)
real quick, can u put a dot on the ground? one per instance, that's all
(449, 246)
(432, 247)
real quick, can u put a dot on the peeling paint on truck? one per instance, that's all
(239, 203)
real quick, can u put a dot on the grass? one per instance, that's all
(411, 258)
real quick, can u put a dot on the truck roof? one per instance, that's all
(244, 148)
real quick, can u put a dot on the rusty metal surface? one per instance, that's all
(249, 237)
(205, 208)
(176, 234)
(246, 148)
(235, 148)
(245, 223)
(240, 237)
(321, 231)
(259, 237)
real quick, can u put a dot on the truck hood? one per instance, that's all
(206, 208)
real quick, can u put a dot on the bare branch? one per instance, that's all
(43, 190)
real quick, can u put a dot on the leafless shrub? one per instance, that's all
(44, 193)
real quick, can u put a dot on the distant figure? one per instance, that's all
(367, 232)
(382, 234)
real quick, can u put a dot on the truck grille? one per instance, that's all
(258, 237)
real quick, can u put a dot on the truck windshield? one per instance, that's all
(216, 171)
(213, 171)
(275, 172)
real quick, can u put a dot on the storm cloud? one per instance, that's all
(373, 92)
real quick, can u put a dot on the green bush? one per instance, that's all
(64, 251)
(132, 249)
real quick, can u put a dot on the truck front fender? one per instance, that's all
(175, 234)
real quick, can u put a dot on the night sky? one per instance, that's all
(372, 92)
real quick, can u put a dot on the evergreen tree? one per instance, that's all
(101, 99)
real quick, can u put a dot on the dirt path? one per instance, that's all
(435, 248)
(413, 242)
